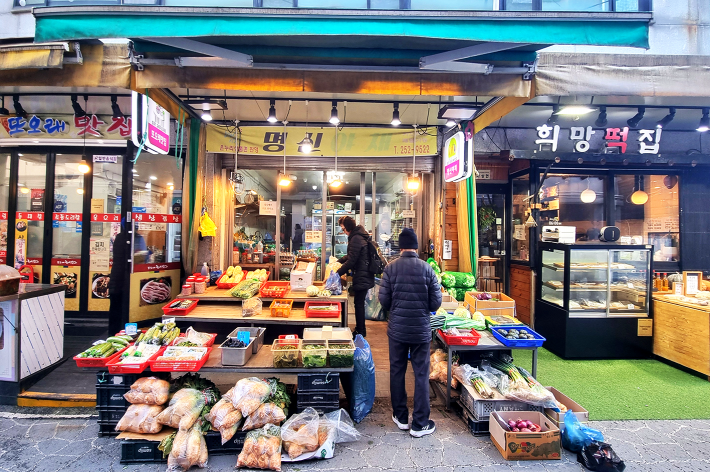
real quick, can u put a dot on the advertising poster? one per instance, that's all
(20, 243)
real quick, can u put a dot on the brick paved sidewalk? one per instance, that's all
(48, 445)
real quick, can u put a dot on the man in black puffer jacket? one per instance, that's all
(410, 291)
(357, 261)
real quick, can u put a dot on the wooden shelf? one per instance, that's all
(261, 362)
(233, 314)
(214, 294)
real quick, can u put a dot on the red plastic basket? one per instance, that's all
(181, 338)
(179, 366)
(273, 289)
(311, 313)
(115, 368)
(461, 340)
(180, 311)
(97, 362)
(229, 285)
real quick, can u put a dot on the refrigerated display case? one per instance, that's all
(593, 300)
(335, 238)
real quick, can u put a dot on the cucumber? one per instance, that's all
(116, 339)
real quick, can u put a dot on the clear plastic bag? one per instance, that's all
(482, 381)
(141, 419)
(267, 413)
(576, 436)
(224, 417)
(184, 409)
(344, 426)
(262, 449)
(189, 448)
(196, 337)
(249, 393)
(300, 433)
(363, 380)
(333, 283)
(148, 391)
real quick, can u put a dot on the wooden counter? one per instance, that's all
(214, 294)
(681, 333)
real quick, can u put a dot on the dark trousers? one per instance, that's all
(398, 369)
(359, 303)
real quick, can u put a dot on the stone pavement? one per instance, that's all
(48, 444)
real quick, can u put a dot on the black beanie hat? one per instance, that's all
(408, 239)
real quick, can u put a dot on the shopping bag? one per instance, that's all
(207, 226)
(333, 284)
(600, 457)
(373, 307)
(576, 436)
(363, 384)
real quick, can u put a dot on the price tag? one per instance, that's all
(168, 320)
(243, 336)
(630, 306)
(290, 336)
(131, 329)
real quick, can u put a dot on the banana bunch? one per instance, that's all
(160, 334)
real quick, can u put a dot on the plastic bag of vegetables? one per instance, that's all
(333, 284)
(246, 288)
(224, 417)
(267, 413)
(184, 409)
(344, 426)
(300, 433)
(249, 394)
(262, 449)
(141, 419)
(189, 448)
(457, 279)
(148, 391)
(517, 384)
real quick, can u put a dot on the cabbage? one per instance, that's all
(462, 313)
(441, 312)
(312, 291)
(480, 321)
(324, 294)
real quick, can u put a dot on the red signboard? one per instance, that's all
(158, 266)
(30, 215)
(66, 216)
(34, 261)
(156, 218)
(66, 261)
(106, 217)
(3, 216)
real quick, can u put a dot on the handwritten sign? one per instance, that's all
(268, 208)
(448, 249)
(408, 214)
(314, 236)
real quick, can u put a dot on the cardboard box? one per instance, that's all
(448, 302)
(525, 446)
(504, 306)
(326, 334)
(300, 279)
(559, 418)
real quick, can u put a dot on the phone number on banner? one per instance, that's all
(156, 218)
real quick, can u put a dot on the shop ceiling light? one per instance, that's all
(456, 112)
(575, 110)
(272, 112)
(80, 191)
(334, 120)
(171, 187)
(601, 120)
(704, 121)
(666, 119)
(4, 111)
(19, 111)
(639, 197)
(78, 111)
(413, 182)
(24, 190)
(554, 117)
(336, 182)
(395, 116)
(115, 109)
(306, 145)
(206, 112)
(315, 187)
(152, 177)
(634, 121)
(284, 180)
(84, 168)
(588, 195)
(450, 123)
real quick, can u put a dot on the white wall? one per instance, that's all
(20, 25)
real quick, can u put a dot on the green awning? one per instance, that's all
(597, 31)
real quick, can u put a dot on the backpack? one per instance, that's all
(375, 262)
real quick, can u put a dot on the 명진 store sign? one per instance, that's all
(150, 124)
(458, 158)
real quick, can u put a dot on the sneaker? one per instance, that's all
(402, 426)
(428, 429)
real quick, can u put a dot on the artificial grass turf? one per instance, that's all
(623, 389)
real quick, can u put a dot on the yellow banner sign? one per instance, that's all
(352, 142)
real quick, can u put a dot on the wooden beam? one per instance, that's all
(500, 109)
(59, 400)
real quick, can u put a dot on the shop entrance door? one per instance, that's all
(490, 201)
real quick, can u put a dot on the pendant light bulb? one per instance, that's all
(272, 112)
(206, 112)
(395, 116)
(336, 182)
(334, 120)
(84, 168)
(284, 180)
(413, 182)
(306, 145)
(639, 197)
(588, 196)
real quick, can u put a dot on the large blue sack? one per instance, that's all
(576, 436)
(363, 383)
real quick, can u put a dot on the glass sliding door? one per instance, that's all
(29, 218)
(5, 159)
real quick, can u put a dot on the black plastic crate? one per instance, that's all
(110, 415)
(111, 396)
(477, 427)
(323, 396)
(213, 439)
(105, 379)
(328, 381)
(321, 408)
(140, 451)
(108, 430)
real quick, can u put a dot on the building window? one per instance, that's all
(521, 234)
(574, 200)
(647, 212)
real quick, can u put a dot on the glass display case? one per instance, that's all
(596, 281)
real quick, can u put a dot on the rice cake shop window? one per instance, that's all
(157, 236)
(647, 212)
(4, 202)
(521, 234)
(29, 222)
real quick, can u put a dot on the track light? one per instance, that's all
(206, 112)
(704, 121)
(4, 111)
(576, 110)
(334, 120)
(78, 111)
(19, 111)
(554, 117)
(634, 121)
(666, 119)
(601, 120)
(306, 145)
(117, 113)
(272, 112)
(395, 115)
(450, 123)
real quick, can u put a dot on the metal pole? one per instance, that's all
(362, 199)
(374, 207)
(324, 220)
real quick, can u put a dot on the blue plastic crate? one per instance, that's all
(537, 342)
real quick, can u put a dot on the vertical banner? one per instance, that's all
(20, 243)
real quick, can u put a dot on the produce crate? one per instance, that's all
(180, 311)
(110, 415)
(179, 366)
(111, 396)
(281, 312)
(213, 439)
(97, 362)
(312, 396)
(230, 285)
(272, 289)
(182, 338)
(285, 358)
(461, 340)
(140, 451)
(319, 382)
(537, 342)
(344, 357)
(108, 430)
(482, 408)
(316, 313)
(115, 368)
(103, 378)
(504, 305)
(321, 408)
(317, 356)
(477, 427)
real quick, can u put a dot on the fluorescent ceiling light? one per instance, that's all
(457, 112)
(576, 110)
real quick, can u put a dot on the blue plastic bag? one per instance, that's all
(363, 383)
(333, 283)
(576, 436)
(373, 307)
